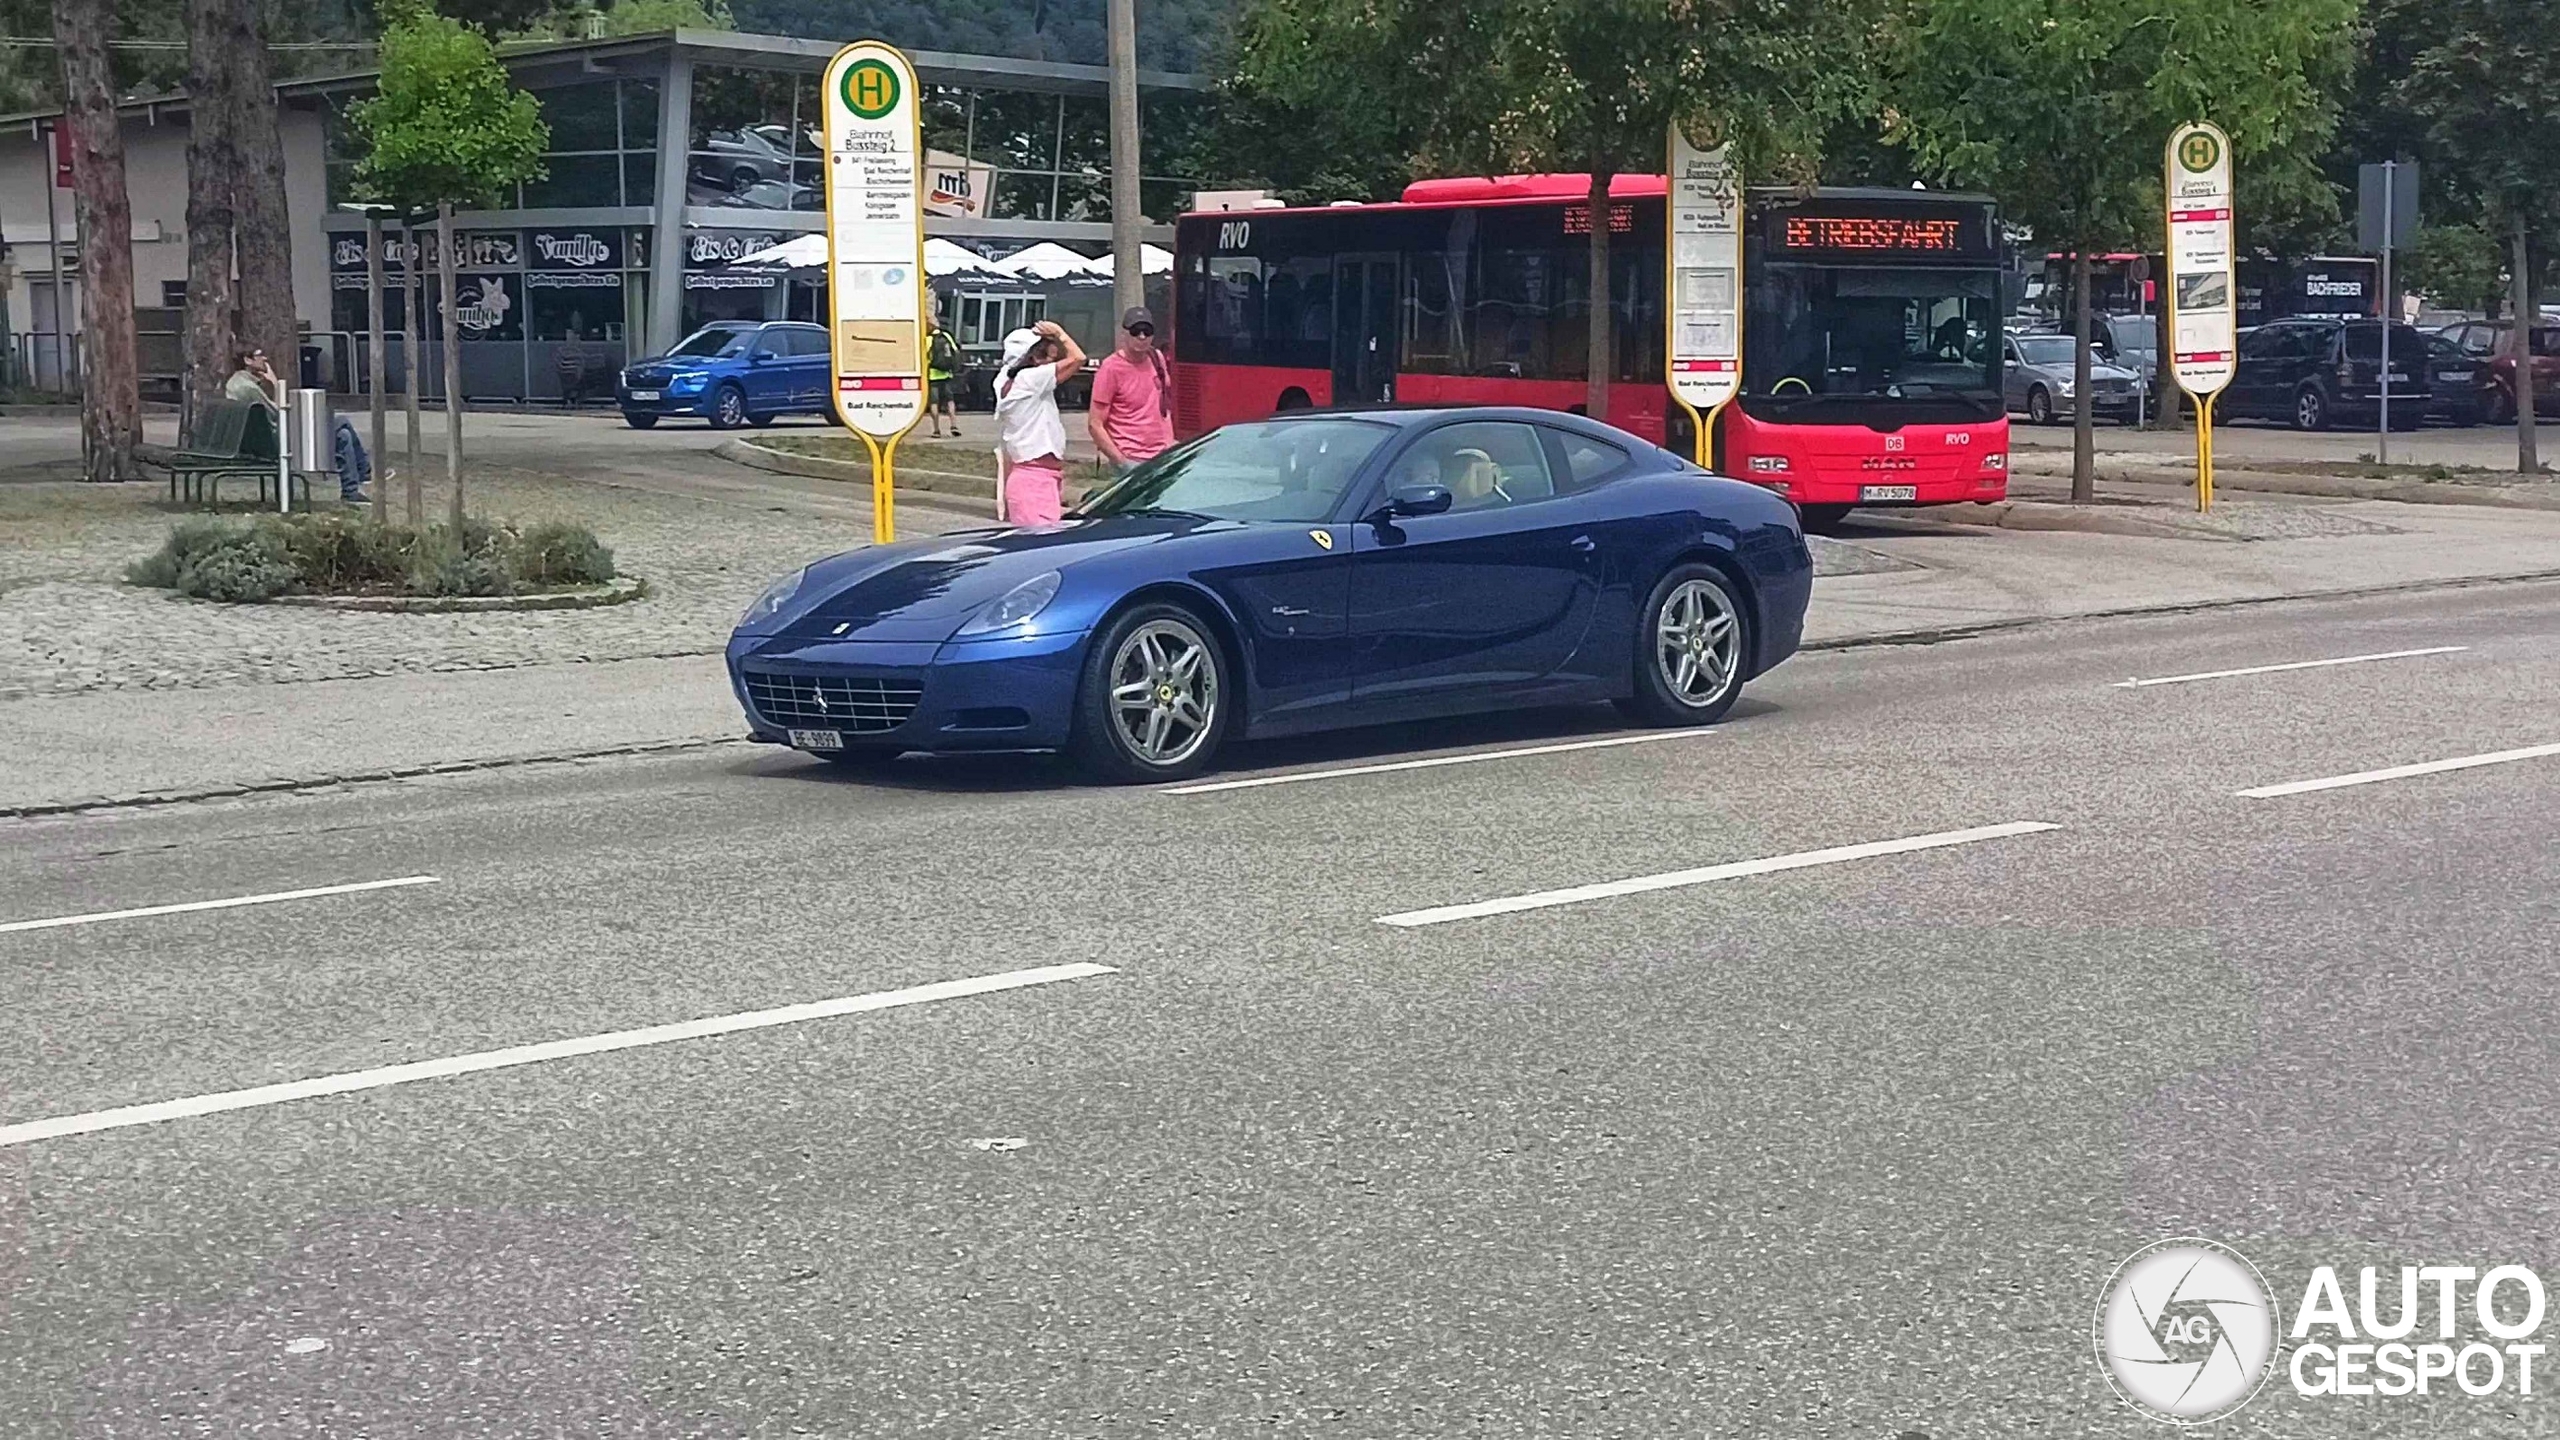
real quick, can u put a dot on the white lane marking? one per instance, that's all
(232, 903)
(2396, 772)
(2296, 665)
(1435, 762)
(1608, 889)
(451, 1065)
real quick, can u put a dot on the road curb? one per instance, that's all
(2079, 519)
(1939, 634)
(284, 784)
(812, 467)
(2522, 495)
(621, 590)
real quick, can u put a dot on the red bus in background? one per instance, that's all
(1871, 325)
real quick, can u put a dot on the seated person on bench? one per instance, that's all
(254, 384)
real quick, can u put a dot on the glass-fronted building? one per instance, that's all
(628, 242)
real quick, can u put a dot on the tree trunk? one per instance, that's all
(1603, 353)
(2528, 458)
(212, 324)
(110, 392)
(2084, 432)
(265, 233)
(413, 344)
(452, 362)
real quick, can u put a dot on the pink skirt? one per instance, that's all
(1031, 491)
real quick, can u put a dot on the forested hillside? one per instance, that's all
(1172, 34)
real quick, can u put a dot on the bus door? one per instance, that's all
(1365, 290)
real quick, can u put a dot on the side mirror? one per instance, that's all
(765, 357)
(1406, 500)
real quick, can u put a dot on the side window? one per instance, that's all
(1485, 464)
(1587, 462)
(808, 340)
(771, 340)
(2256, 345)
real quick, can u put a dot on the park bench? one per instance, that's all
(230, 437)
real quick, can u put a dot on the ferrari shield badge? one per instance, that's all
(1321, 537)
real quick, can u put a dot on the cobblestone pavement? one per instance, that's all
(69, 625)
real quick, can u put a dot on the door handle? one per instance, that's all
(1584, 544)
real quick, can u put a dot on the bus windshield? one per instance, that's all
(1904, 333)
(1288, 470)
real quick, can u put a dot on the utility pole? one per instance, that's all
(374, 356)
(1128, 266)
(412, 355)
(2528, 457)
(452, 333)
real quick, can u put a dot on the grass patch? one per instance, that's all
(337, 554)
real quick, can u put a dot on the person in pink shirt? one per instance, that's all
(1132, 413)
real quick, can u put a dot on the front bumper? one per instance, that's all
(1013, 692)
(1853, 488)
(666, 403)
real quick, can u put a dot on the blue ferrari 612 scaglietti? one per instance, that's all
(1313, 571)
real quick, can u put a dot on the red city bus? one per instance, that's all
(1871, 324)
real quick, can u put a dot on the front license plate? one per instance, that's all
(2399, 379)
(817, 739)
(1873, 493)
(644, 394)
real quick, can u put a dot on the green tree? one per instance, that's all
(2483, 84)
(2457, 264)
(1509, 86)
(2061, 108)
(587, 20)
(445, 128)
(1300, 113)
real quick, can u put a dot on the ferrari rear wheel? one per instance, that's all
(1690, 650)
(1153, 702)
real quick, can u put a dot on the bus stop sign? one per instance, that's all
(2203, 321)
(875, 239)
(1705, 314)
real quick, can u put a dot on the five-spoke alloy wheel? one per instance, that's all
(1692, 650)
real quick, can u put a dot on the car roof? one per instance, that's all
(1410, 416)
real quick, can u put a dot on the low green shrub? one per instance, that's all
(337, 554)
(553, 553)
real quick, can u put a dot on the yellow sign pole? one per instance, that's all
(2204, 452)
(884, 491)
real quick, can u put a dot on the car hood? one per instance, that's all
(951, 577)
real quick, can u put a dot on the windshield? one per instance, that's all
(1290, 470)
(1838, 330)
(714, 340)
(2133, 337)
(2045, 349)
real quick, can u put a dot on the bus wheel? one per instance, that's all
(1822, 519)
(1294, 398)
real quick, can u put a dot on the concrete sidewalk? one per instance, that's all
(127, 697)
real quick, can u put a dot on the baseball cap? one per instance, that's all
(1137, 315)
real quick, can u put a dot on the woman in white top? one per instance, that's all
(1032, 440)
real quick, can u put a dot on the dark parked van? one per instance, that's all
(2319, 373)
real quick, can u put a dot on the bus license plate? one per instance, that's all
(1872, 493)
(817, 739)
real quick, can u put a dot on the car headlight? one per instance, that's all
(2063, 388)
(775, 596)
(689, 380)
(1016, 605)
(1996, 460)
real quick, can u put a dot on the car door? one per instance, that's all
(809, 362)
(1485, 601)
(767, 376)
(2013, 376)
(2254, 375)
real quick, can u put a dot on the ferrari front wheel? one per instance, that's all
(1691, 650)
(1154, 698)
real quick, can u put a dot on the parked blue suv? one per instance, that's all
(731, 373)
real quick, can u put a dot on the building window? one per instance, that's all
(173, 294)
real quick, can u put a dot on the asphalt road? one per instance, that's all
(1846, 1149)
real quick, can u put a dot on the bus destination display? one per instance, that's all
(1903, 234)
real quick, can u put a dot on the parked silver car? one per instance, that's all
(2037, 380)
